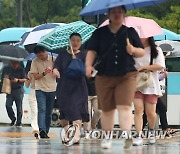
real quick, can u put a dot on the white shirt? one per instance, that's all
(144, 61)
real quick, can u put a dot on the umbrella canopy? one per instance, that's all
(170, 46)
(32, 56)
(59, 37)
(167, 35)
(145, 27)
(36, 33)
(11, 52)
(10, 35)
(102, 6)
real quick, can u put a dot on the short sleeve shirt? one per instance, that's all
(144, 61)
(19, 73)
(48, 82)
(118, 61)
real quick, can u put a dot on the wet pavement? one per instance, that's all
(21, 141)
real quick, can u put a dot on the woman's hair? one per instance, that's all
(75, 34)
(123, 7)
(153, 46)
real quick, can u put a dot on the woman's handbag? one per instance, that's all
(144, 79)
(6, 86)
(76, 68)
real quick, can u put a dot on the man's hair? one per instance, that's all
(39, 49)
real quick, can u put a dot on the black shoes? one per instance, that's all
(13, 122)
(36, 135)
(43, 135)
(18, 125)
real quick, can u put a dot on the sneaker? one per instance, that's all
(19, 125)
(87, 135)
(138, 141)
(36, 135)
(152, 138)
(43, 135)
(128, 142)
(12, 123)
(106, 144)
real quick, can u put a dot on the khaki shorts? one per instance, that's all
(113, 91)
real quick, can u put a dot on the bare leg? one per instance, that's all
(151, 114)
(97, 113)
(64, 122)
(77, 134)
(87, 125)
(107, 120)
(125, 117)
(125, 122)
(139, 108)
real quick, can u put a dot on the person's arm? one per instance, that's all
(134, 51)
(23, 77)
(92, 48)
(91, 55)
(153, 67)
(38, 76)
(134, 44)
(56, 68)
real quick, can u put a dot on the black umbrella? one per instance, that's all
(166, 47)
(12, 52)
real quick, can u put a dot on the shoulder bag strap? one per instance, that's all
(151, 58)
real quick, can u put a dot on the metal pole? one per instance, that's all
(20, 13)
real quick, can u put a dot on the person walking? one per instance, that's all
(116, 78)
(72, 93)
(92, 106)
(146, 99)
(17, 77)
(30, 82)
(45, 87)
(161, 108)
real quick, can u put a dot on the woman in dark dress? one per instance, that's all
(72, 94)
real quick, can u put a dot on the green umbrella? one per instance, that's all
(59, 37)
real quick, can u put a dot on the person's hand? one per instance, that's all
(48, 70)
(89, 70)
(129, 48)
(166, 74)
(56, 73)
(15, 80)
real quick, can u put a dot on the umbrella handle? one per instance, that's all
(73, 55)
(127, 41)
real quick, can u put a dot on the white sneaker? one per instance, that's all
(106, 144)
(87, 135)
(128, 142)
(152, 138)
(138, 141)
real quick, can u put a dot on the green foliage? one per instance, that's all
(37, 12)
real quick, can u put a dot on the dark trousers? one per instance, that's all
(161, 110)
(45, 101)
(17, 97)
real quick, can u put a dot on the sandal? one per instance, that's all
(171, 131)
